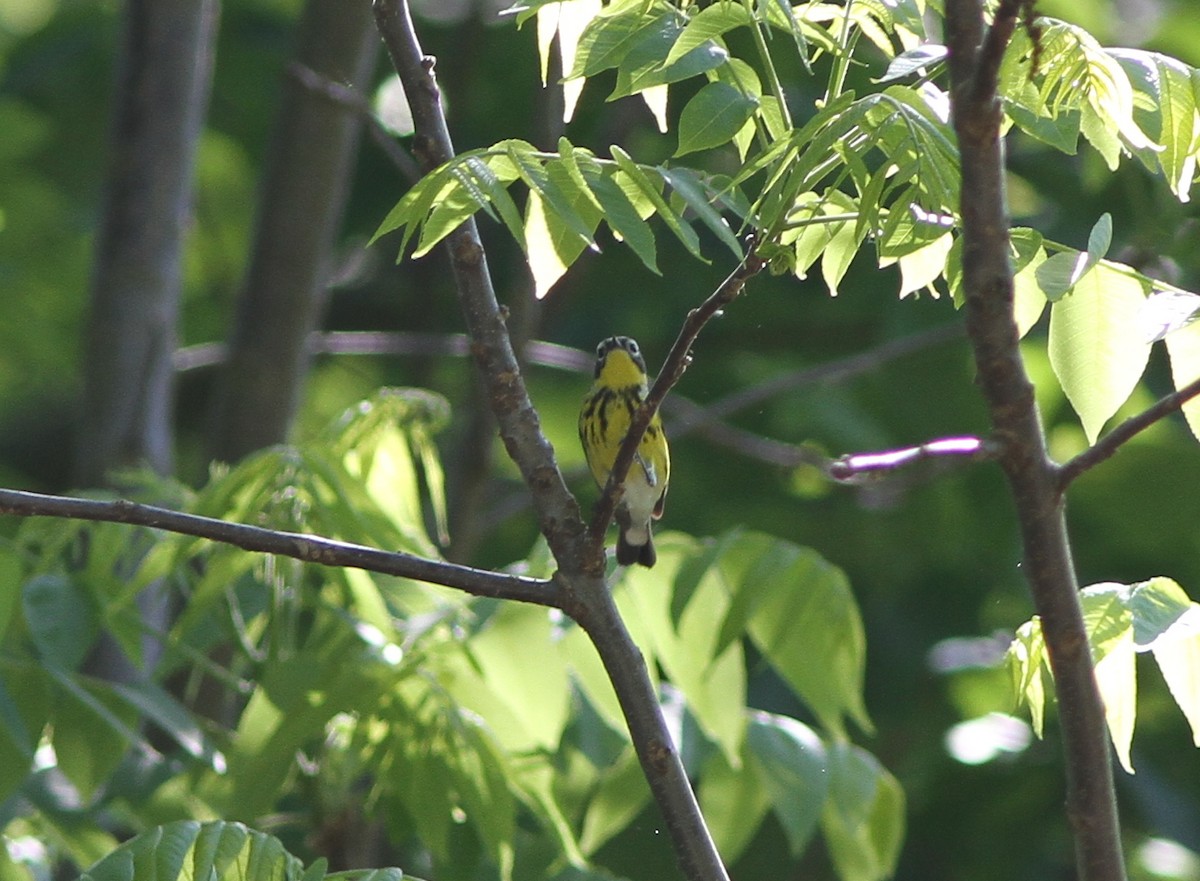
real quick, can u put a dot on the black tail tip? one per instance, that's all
(628, 554)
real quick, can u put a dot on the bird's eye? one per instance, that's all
(633, 347)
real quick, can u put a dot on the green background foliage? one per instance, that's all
(771, 681)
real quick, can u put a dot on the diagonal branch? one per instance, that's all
(309, 548)
(673, 367)
(558, 513)
(1123, 433)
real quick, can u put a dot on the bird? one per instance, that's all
(619, 388)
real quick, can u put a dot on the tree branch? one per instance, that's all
(309, 548)
(1032, 476)
(831, 371)
(580, 579)
(558, 512)
(676, 363)
(1123, 433)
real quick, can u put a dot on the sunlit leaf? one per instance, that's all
(1184, 348)
(1175, 119)
(922, 267)
(1110, 634)
(516, 680)
(1095, 348)
(1029, 301)
(611, 35)
(1026, 660)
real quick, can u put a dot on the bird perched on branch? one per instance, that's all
(620, 387)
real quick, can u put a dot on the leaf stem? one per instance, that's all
(764, 53)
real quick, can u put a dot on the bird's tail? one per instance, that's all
(636, 546)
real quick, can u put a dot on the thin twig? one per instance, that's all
(393, 342)
(831, 371)
(309, 548)
(861, 467)
(676, 363)
(1123, 433)
(348, 96)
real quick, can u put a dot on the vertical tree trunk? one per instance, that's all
(301, 205)
(162, 92)
(125, 417)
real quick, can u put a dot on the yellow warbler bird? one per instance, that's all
(619, 389)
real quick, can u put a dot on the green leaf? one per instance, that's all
(1174, 117)
(836, 257)
(1183, 346)
(1026, 659)
(167, 713)
(863, 818)
(922, 267)
(90, 732)
(1099, 239)
(613, 34)
(623, 217)
(815, 222)
(1075, 77)
(1156, 606)
(553, 184)
(792, 766)
(10, 576)
(914, 61)
(61, 618)
(688, 185)
(801, 615)
(24, 711)
(216, 851)
(1155, 616)
(734, 803)
(712, 117)
(638, 177)
(707, 25)
(1110, 634)
(1168, 623)
(621, 795)
(1029, 302)
(709, 673)
(1095, 348)
(644, 68)
(521, 686)
(553, 246)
